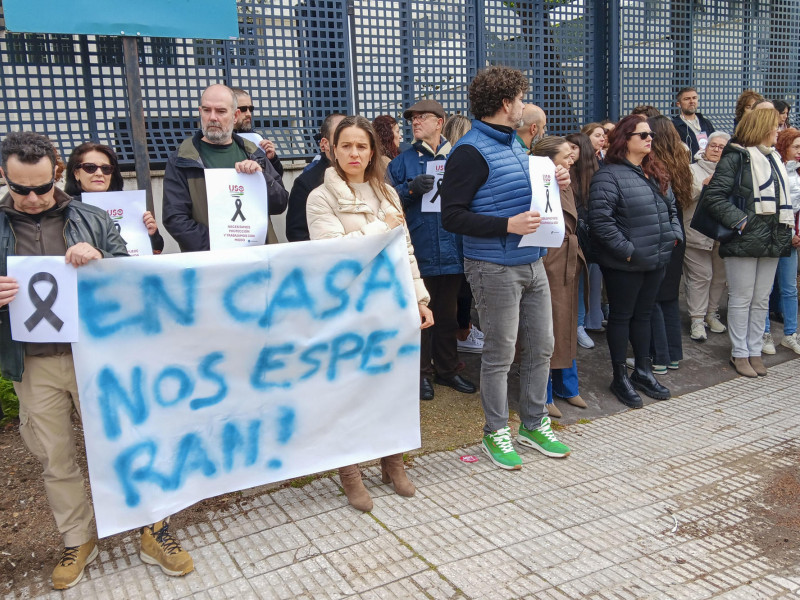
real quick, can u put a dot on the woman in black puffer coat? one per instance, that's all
(634, 226)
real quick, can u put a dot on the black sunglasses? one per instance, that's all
(643, 134)
(247, 108)
(91, 168)
(25, 190)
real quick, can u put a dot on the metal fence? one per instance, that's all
(302, 59)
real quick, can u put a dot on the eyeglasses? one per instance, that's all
(643, 134)
(716, 147)
(25, 190)
(247, 108)
(91, 168)
(421, 117)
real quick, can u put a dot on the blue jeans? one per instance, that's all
(665, 323)
(594, 320)
(563, 382)
(513, 305)
(786, 281)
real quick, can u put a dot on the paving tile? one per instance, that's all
(313, 578)
(269, 550)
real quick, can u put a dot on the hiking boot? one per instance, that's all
(758, 366)
(500, 450)
(790, 341)
(768, 344)
(714, 324)
(542, 439)
(743, 367)
(584, 341)
(69, 570)
(472, 344)
(553, 410)
(698, 331)
(160, 548)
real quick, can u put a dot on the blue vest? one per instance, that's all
(506, 193)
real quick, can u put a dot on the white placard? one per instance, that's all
(432, 201)
(45, 310)
(237, 209)
(127, 210)
(209, 372)
(546, 199)
(252, 136)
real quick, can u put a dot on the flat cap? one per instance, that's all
(425, 106)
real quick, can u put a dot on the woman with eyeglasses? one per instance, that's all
(94, 168)
(634, 227)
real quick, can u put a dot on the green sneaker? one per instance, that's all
(543, 439)
(500, 450)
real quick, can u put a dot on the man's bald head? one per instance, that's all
(534, 121)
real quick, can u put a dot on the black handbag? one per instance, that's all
(708, 225)
(585, 241)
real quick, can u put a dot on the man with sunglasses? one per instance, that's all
(215, 146)
(244, 127)
(37, 219)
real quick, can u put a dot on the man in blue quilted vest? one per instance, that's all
(486, 197)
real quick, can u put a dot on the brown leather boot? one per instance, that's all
(393, 471)
(357, 494)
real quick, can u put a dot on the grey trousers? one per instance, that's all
(704, 276)
(749, 284)
(513, 302)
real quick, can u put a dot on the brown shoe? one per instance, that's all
(160, 548)
(758, 366)
(577, 401)
(69, 570)
(553, 411)
(357, 494)
(743, 367)
(393, 471)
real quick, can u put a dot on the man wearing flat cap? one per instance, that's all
(438, 255)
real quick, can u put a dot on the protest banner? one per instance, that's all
(432, 201)
(237, 208)
(209, 372)
(126, 210)
(45, 308)
(546, 199)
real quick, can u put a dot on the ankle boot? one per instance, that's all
(357, 494)
(622, 388)
(393, 471)
(643, 379)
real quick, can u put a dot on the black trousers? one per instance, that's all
(631, 296)
(439, 351)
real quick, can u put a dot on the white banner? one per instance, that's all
(45, 308)
(546, 199)
(432, 201)
(126, 209)
(208, 372)
(237, 208)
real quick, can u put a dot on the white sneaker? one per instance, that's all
(768, 346)
(476, 332)
(790, 341)
(472, 344)
(584, 341)
(698, 331)
(714, 324)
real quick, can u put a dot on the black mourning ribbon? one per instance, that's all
(238, 212)
(435, 197)
(43, 307)
(118, 227)
(547, 207)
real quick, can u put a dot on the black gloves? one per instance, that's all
(421, 185)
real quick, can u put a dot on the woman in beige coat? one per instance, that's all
(354, 201)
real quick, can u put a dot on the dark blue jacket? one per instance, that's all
(506, 193)
(688, 135)
(437, 251)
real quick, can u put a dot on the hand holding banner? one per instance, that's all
(546, 199)
(126, 210)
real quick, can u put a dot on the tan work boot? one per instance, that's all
(160, 548)
(357, 494)
(69, 570)
(393, 471)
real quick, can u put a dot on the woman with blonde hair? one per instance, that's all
(354, 201)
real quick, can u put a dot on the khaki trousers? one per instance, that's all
(704, 275)
(47, 394)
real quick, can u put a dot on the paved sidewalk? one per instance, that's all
(596, 525)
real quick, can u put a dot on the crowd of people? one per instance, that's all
(629, 191)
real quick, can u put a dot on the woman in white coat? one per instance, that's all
(354, 200)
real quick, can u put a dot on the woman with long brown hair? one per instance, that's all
(353, 201)
(666, 347)
(634, 229)
(388, 133)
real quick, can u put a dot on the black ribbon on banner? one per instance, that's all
(43, 307)
(435, 197)
(238, 212)
(547, 207)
